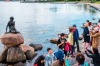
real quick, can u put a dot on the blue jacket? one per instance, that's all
(76, 35)
(59, 55)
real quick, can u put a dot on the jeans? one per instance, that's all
(77, 43)
(72, 49)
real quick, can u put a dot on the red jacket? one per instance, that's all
(35, 65)
(67, 47)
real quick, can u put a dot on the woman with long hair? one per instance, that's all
(39, 61)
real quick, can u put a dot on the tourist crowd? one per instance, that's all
(67, 46)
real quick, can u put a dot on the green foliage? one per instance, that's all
(58, 0)
(73, 0)
(93, 1)
(98, 2)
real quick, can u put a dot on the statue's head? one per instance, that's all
(11, 18)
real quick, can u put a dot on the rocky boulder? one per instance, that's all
(54, 41)
(3, 56)
(10, 39)
(30, 54)
(36, 46)
(25, 48)
(15, 55)
(17, 64)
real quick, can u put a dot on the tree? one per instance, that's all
(93, 1)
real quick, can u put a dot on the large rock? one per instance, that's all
(36, 46)
(3, 56)
(54, 41)
(30, 54)
(25, 48)
(17, 64)
(29, 51)
(15, 55)
(11, 39)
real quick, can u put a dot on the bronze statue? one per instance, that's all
(11, 25)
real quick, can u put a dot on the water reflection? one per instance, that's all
(54, 9)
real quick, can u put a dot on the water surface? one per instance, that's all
(40, 22)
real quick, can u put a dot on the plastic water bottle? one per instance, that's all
(67, 62)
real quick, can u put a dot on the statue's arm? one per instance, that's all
(7, 26)
(14, 23)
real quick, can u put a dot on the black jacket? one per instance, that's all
(59, 41)
(96, 58)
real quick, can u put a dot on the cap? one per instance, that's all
(74, 25)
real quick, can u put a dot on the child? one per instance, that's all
(49, 57)
(67, 49)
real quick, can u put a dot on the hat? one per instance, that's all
(74, 25)
(59, 55)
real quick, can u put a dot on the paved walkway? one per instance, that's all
(87, 59)
(73, 61)
(96, 6)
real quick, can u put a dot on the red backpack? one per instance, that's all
(67, 47)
